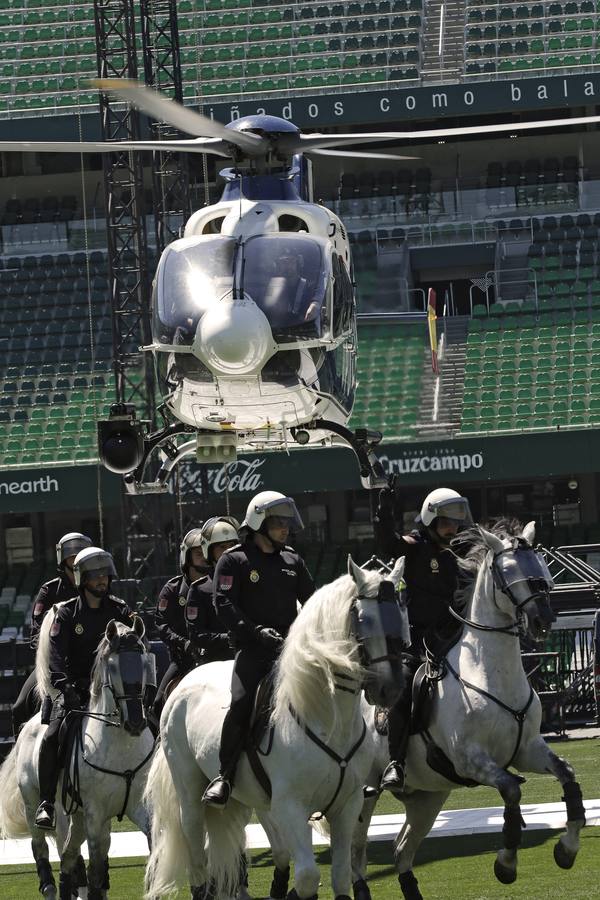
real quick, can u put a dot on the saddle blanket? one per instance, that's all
(449, 823)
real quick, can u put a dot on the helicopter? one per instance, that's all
(253, 308)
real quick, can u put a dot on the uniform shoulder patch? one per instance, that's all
(38, 609)
(225, 582)
(191, 612)
(55, 629)
(163, 603)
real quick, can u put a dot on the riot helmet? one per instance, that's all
(218, 530)
(69, 545)
(448, 504)
(268, 504)
(192, 540)
(93, 562)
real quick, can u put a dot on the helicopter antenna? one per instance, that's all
(237, 295)
(241, 196)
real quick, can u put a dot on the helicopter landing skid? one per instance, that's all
(363, 441)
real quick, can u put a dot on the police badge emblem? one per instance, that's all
(182, 601)
(254, 576)
(435, 566)
(79, 628)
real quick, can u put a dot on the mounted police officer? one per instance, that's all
(258, 586)
(170, 613)
(432, 575)
(55, 591)
(208, 639)
(78, 626)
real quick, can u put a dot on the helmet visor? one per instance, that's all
(72, 547)
(456, 509)
(283, 509)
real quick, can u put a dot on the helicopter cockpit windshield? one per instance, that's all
(193, 274)
(286, 276)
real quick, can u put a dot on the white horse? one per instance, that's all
(485, 716)
(318, 752)
(108, 769)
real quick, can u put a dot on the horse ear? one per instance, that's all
(111, 632)
(138, 626)
(397, 572)
(529, 533)
(355, 572)
(492, 540)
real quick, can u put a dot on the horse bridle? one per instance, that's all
(539, 585)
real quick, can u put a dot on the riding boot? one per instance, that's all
(394, 776)
(48, 773)
(233, 736)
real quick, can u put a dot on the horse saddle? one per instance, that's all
(259, 727)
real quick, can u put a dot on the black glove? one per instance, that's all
(190, 649)
(71, 698)
(269, 638)
(385, 509)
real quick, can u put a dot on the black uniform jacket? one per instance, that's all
(170, 619)
(431, 574)
(254, 590)
(203, 627)
(56, 591)
(74, 637)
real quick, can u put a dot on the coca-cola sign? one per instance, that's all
(244, 476)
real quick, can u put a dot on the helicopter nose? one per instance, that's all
(234, 338)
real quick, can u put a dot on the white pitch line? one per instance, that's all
(449, 823)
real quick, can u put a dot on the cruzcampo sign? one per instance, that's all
(460, 460)
(60, 488)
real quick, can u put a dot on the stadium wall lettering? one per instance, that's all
(59, 488)
(461, 460)
(474, 98)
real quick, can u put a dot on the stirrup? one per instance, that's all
(393, 778)
(218, 792)
(45, 816)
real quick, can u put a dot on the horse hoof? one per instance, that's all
(562, 857)
(361, 891)
(504, 874)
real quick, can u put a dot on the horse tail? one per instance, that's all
(320, 826)
(169, 859)
(13, 821)
(226, 830)
(42, 656)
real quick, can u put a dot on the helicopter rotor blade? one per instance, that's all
(359, 155)
(310, 142)
(160, 107)
(193, 145)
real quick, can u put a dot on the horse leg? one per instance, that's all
(70, 839)
(281, 858)
(39, 847)
(342, 826)
(538, 757)
(97, 829)
(483, 769)
(422, 808)
(358, 852)
(291, 821)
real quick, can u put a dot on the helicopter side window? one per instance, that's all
(343, 297)
(192, 277)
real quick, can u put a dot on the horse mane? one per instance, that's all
(319, 647)
(43, 684)
(477, 549)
